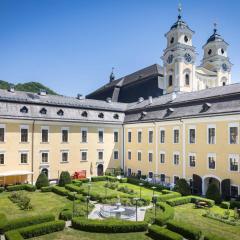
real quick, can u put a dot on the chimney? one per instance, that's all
(11, 89)
(42, 92)
(150, 99)
(80, 96)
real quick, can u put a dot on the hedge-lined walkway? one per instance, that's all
(71, 234)
(188, 214)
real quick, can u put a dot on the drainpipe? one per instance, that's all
(33, 130)
(183, 148)
(123, 150)
(156, 147)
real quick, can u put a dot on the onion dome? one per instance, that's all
(215, 37)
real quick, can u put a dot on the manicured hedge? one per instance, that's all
(234, 204)
(47, 189)
(108, 226)
(2, 189)
(211, 236)
(186, 230)
(123, 180)
(225, 205)
(60, 190)
(73, 188)
(166, 215)
(27, 187)
(66, 215)
(35, 230)
(25, 221)
(189, 199)
(165, 197)
(3, 221)
(83, 180)
(158, 233)
(99, 178)
(80, 197)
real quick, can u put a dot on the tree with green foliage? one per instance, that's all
(213, 193)
(65, 178)
(182, 187)
(42, 181)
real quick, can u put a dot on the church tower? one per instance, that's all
(216, 58)
(179, 58)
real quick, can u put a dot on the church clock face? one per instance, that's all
(188, 57)
(170, 59)
(224, 67)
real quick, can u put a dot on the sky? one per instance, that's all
(71, 45)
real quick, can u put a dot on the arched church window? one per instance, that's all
(209, 51)
(187, 79)
(170, 80)
(224, 81)
(222, 51)
(186, 39)
(172, 40)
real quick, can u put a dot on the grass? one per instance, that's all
(188, 214)
(42, 203)
(71, 234)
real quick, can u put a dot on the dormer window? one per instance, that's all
(172, 40)
(101, 115)
(84, 114)
(116, 116)
(170, 80)
(206, 106)
(24, 109)
(209, 51)
(43, 111)
(60, 112)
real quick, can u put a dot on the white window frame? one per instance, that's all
(191, 154)
(162, 129)
(162, 152)
(81, 130)
(208, 127)
(67, 129)
(195, 129)
(139, 151)
(4, 127)
(139, 131)
(20, 155)
(150, 152)
(45, 128)
(150, 130)
(100, 150)
(101, 130)
(176, 153)
(233, 125)
(178, 129)
(214, 155)
(115, 150)
(24, 127)
(81, 151)
(41, 152)
(61, 156)
(231, 155)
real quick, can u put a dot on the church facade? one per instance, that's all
(168, 122)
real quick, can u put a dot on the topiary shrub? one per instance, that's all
(73, 188)
(30, 188)
(157, 233)
(65, 178)
(47, 189)
(60, 191)
(165, 197)
(42, 181)
(182, 187)
(99, 178)
(66, 215)
(225, 205)
(166, 215)
(213, 193)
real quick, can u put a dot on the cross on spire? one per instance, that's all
(215, 27)
(179, 10)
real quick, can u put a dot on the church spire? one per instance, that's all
(112, 76)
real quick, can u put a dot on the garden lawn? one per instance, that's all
(42, 203)
(71, 234)
(188, 214)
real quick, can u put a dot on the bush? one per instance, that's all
(42, 181)
(189, 199)
(108, 226)
(66, 215)
(26, 221)
(123, 180)
(47, 189)
(80, 197)
(112, 179)
(183, 187)
(21, 199)
(37, 230)
(211, 236)
(13, 235)
(234, 204)
(30, 188)
(65, 178)
(186, 230)
(1, 189)
(27, 187)
(157, 233)
(60, 191)
(3, 221)
(165, 197)
(166, 215)
(73, 188)
(225, 205)
(77, 182)
(213, 193)
(99, 178)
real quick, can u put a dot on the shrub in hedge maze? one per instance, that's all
(157, 233)
(213, 193)
(211, 236)
(167, 214)
(47, 189)
(60, 191)
(65, 178)
(42, 181)
(27, 187)
(182, 187)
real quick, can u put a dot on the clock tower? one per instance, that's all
(179, 58)
(216, 58)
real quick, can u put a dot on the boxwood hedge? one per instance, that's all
(165, 197)
(73, 188)
(186, 230)
(60, 190)
(108, 226)
(35, 230)
(25, 221)
(166, 215)
(157, 233)
(27, 187)
(211, 236)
